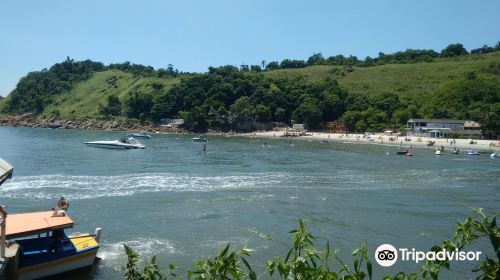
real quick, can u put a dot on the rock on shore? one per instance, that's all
(34, 121)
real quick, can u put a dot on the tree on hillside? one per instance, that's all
(308, 113)
(242, 107)
(112, 108)
(262, 113)
(196, 120)
(273, 65)
(490, 121)
(315, 59)
(484, 49)
(453, 50)
(138, 105)
(255, 68)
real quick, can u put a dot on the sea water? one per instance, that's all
(182, 204)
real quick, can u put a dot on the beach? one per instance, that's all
(381, 139)
(31, 121)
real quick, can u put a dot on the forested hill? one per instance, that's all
(365, 96)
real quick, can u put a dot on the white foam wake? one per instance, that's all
(114, 253)
(87, 187)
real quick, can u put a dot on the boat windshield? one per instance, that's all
(133, 141)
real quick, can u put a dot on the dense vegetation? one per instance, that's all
(378, 93)
(304, 261)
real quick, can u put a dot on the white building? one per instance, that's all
(298, 126)
(442, 127)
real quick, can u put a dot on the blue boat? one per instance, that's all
(43, 249)
(141, 135)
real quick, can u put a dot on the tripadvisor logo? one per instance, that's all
(387, 255)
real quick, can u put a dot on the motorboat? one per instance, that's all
(409, 153)
(124, 143)
(494, 155)
(430, 143)
(473, 153)
(402, 152)
(200, 139)
(141, 135)
(455, 151)
(38, 247)
(439, 148)
(438, 153)
(5, 171)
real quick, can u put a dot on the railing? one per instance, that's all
(3, 218)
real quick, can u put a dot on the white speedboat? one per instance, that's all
(494, 155)
(438, 153)
(473, 153)
(141, 135)
(124, 143)
(5, 171)
(200, 139)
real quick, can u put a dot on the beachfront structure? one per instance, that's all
(442, 127)
(298, 127)
(172, 122)
(334, 127)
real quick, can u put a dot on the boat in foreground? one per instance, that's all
(200, 139)
(141, 135)
(124, 143)
(42, 249)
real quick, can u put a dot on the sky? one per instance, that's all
(194, 34)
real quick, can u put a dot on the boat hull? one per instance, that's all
(114, 146)
(141, 136)
(79, 261)
(106, 146)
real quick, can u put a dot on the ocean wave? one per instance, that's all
(90, 187)
(144, 246)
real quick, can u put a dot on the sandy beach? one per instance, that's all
(381, 139)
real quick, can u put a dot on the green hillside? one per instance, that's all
(403, 79)
(363, 97)
(83, 100)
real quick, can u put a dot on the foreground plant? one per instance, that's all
(303, 261)
(150, 271)
(226, 265)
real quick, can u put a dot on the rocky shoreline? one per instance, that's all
(34, 121)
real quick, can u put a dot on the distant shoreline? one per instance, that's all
(384, 140)
(32, 121)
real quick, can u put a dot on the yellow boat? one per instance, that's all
(42, 247)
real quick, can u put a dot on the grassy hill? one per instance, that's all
(416, 79)
(83, 100)
(404, 79)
